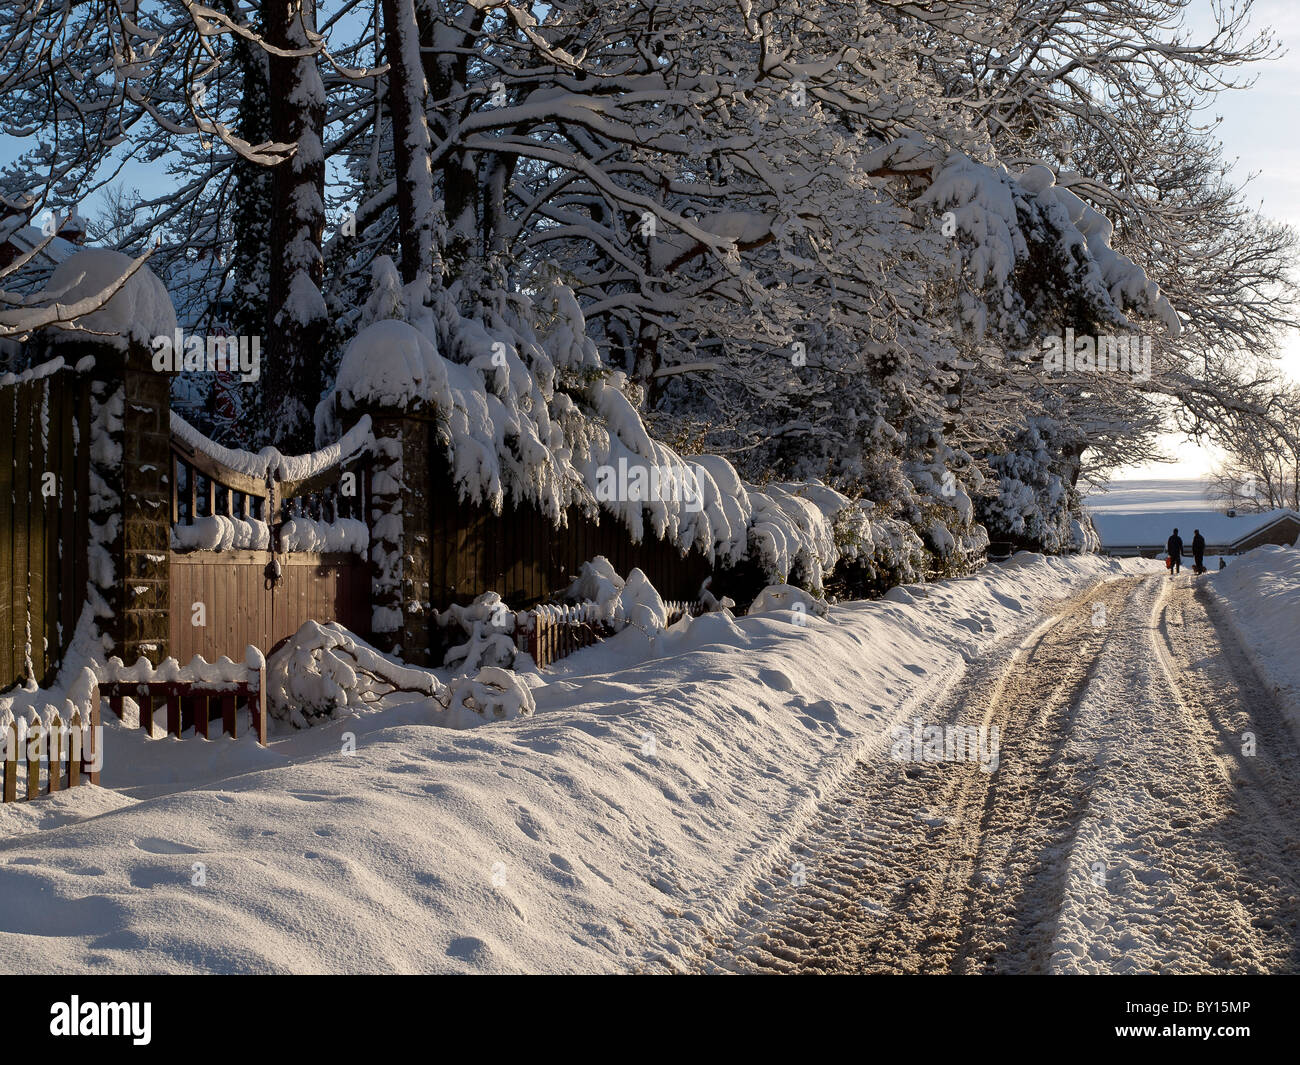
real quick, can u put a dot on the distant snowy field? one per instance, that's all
(1261, 590)
(614, 830)
(1153, 494)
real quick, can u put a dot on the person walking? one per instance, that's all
(1198, 550)
(1175, 546)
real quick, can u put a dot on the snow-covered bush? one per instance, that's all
(323, 671)
(710, 602)
(785, 598)
(599, 584)
(493, 694)
(639, 605)
(490, 626)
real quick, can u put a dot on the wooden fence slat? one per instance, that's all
(9, 667)
(92, 753)
(36, 740)
(20, 524)
(145, 701)
(173, 714)
(174, 466)
(199, 709)
(75, 743)
(229, 715)
(11, 762)
(261, 705)
(81, 557)
(54, 748)
(53, 520)
(70, 544)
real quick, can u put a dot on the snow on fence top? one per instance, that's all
(79, 691)
(45, 369)
(509, 430)
(223, 672)
(269, 463)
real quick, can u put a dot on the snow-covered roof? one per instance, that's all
(27, 238)
(1145, 512)
(1153, 527)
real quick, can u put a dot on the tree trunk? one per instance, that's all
(445, 75)
(253, 210)
(408, 94)
(296, 313)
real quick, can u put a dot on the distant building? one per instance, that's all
(18, 237)
(1146, 532)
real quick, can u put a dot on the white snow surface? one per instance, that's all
(1261, 591)
(610, 830)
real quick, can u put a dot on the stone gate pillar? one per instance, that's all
(400, 526)
(130, 458)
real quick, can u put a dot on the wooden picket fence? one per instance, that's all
(70, 752)
(195, 704)
(555, 631)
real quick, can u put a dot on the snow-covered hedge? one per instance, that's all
(537, 419)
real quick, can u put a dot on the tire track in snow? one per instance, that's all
(1122, 831)
(918, 856)
(1224, 700)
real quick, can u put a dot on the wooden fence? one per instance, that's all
(44, 521)
(521, 555)
(195, 704)
(243, 601)
(556, 631)
(70, 753)
(242, 608)
(261, 596)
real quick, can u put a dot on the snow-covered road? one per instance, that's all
(1141, 815)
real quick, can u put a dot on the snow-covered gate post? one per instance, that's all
(130, 464)
(400, 530)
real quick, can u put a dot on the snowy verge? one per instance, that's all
(614, 829)
(1260, 592)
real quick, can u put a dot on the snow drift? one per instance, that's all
(613, 829)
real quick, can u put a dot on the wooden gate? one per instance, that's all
(44, 520)
(223, 600)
